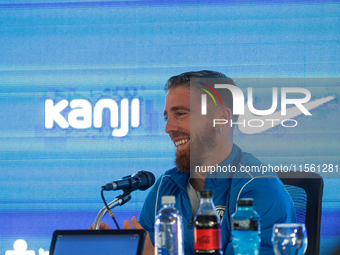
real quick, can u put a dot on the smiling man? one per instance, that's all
(199, 143)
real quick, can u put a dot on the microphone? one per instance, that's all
(141, 180)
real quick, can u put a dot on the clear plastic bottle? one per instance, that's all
(207, 227)
(246, 228)
(168, 229)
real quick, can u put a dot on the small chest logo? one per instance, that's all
(220, 211)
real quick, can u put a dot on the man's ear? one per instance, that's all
(224, 113)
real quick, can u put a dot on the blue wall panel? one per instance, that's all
(51, 178)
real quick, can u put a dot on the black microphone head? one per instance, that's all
(147, 179)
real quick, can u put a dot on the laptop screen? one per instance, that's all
(90, 242)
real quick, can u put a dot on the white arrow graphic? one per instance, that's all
(275, 119)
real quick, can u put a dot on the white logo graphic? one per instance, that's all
(43, 252)
(220, 211)
(20, 248)
(238, 100)
(267, 122)
(81, 115)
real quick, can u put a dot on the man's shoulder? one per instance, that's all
(250, 175)
(172, 178)
(170, 172)
(162, 183)
(240, 157)
(249, 159)
(172, 182)
(254, 167)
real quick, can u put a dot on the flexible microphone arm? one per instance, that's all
(120, 200)
(141, 180)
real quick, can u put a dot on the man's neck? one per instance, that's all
(197, 183)
(198, 180)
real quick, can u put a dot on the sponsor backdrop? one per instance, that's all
(63, 63)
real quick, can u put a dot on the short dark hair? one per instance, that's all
(183, 80)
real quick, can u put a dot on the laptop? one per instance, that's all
(92, 242)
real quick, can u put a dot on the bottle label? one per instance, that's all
(165, 244)
(161, 251)
(207, 239)
(250, 224)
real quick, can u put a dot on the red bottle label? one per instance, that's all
(207, 239)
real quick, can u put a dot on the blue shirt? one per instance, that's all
(271, 200)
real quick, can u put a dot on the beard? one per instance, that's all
(182, 160)
(196, 153)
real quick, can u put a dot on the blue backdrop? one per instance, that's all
(50, 177)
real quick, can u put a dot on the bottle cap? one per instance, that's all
(168, 200)
(245, 202)
(206, 193)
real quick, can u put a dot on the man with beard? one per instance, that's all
(199, 143)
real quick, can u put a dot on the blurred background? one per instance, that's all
(50, 177)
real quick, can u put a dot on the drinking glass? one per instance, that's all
(289, 239)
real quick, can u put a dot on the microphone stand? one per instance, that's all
(120, 200)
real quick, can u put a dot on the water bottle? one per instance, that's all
(207, 228)
(168, 229)
(246, 228)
